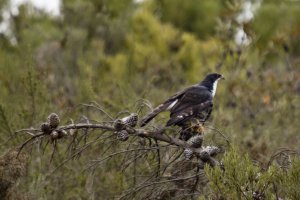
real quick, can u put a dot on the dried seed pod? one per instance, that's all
(73, 132)
(54, 135)
(204, 156)
(53, 120)
(45, 128)
(65, 133)
(196, 141)
(119, 125)
(208, 152)
(211, 150)
(122, 135)
(257, 195)
(61, 134)
(188, 154)
(131, 120)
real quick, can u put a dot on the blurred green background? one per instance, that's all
(117, 52)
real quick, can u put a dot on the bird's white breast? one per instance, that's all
(214, 89)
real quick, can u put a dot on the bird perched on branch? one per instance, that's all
(189, 103)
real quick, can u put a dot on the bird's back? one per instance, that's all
(192, 97)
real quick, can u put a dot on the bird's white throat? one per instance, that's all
(214, 89)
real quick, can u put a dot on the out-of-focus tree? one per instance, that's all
(118, 52)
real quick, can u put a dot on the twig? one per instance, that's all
(158, 182)
(28, 130)
(117, 153)
(54, 145)
(172, 161)
(158, 159)
(88, 126)
(196, 182)
(95, 105)
(75, 154)
(27, 141)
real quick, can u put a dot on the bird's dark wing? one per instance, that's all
(180, 94)
(191, 105)
(194, 96)
(165, 105)
(199, 111)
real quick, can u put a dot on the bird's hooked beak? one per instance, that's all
(222, 77)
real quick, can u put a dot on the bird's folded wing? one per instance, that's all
(168, 104)
(191, 112)
(193, 96)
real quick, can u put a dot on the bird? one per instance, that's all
(188, 103)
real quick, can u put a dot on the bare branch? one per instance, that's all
(27, 141)
(156, 141)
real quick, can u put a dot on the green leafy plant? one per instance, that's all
(242, 178)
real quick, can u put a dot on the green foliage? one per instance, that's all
(278, 26)
(241, 178)
(192, 16)
(290, 182)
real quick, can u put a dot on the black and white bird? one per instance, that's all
(189, 103)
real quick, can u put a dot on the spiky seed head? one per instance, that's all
(65, 133)
(122, 135)
(257, 195)
(53, 120)
(61, 134)
(119, 125)
(188, 154)
(45, 128)
(131, 120)
(204, 156)
(196, 141)
(54, 135)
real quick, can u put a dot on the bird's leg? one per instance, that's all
(198, 128)
(208, 113)
(191, 128)
(185, 133)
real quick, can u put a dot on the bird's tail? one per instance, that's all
(156, 111)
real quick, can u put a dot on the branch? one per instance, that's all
(86, 126)
(123, 128)
(156, 135)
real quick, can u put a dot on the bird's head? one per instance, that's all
(213, 77)
(211, 81)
